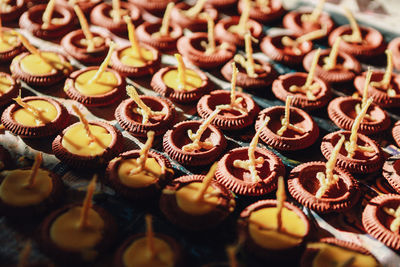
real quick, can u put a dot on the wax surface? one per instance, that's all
(186, 199)
(193, 81)
(152, 171)
(329, 255)
(137, 254)
(76, 141)
(5, 84)
(131, 58)
(8, 41)
(48, 113)
(106, 83)
(272, 239)
(34, 65)
(67, 234)
(13, 190)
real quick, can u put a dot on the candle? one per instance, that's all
(47, 14)
(132, 37)
(249, 54)
(327, 179)
(116, 11)
(387, 77)
(395, 224)
(364, 99)
(286, 120)
(316, 13)
(34, 170)
(234, 102)
(195, 10)
(150, 236)
(143, 154)
(287, 41)
(309, 87)
(85, 28)
(355, 36)
(280, 198)
(206, 182)
(33, 49)
(352, 146)
(252, 162)
(103, 65)
(142, 108)
(40, 120)
(242, 27)
(195, 137)
(331, 60)
(181, 72)
(210, 47)
(164, 30)
(87, 203)
(85, 123)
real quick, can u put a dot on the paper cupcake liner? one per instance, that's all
(300, 100)
(282, 143)
(334, 76)
(28, 21)
(95, 100)
(98, 161)
(193, 158)
(353, 165)
(391, 174)
(288, 256)
(178, 257)
(100, 16)
(64, 256)
(187, 47)
(396, 133)
(185, 97)
(196, 24)
(137, 128)
(255, 13)
(267, 47)
(292, 21)
(310, 253)
(222, 34)
(163, 43)
(238, 186)
(48, 204)
(372, 49)
(149, 192)
(178, 217)
(49, 129)
(227, 122)
(343, 121)
(150, 67)
(80, 53)
(41, 80)
(347, 200)
(375, 227)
